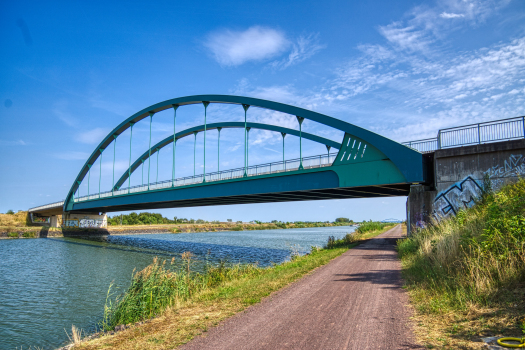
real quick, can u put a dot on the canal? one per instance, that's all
(47, 285)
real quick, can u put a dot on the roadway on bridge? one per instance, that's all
(354, 302)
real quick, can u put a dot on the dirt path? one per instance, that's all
(354, 302)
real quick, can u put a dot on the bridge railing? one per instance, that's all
(254, 170)
(497, 130)
(47, 206)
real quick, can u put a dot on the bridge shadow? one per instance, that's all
(169, 248)
(391, 279)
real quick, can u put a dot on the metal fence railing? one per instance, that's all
(254, 170)
(497, 130)
(48, 206)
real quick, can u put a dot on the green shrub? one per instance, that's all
(29, 234)
(12, 234)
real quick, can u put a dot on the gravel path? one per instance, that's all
(354, 302)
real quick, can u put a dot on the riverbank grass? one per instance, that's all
(178, 306)
(466, 275)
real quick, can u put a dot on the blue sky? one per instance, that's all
(71, 71)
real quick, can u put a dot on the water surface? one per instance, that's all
(46, 285)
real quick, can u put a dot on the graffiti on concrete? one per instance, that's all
(420, 219)
(71, 223)
(462, 194)
(514, 166)
(92, 223)
(459, 196)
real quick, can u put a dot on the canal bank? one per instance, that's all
(194, 314)
(48, 285)
(14, 231)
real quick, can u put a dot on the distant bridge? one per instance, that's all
(365, 165)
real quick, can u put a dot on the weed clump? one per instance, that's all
(161, 285)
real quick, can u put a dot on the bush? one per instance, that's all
(12, 234)
(371, 226)
(29, 234)
(343, 220)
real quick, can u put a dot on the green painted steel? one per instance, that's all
(218, 148)
(225, 125)
(149, 158)
(100, 170)
(174, 141)
(405, 162)
(130, 138)
(245, 107)
(205, 103)
(114, 147)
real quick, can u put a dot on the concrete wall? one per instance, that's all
(85, 220)
(458, 179)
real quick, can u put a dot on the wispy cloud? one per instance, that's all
(305, 47)
(60, 109)
(233, 48)
(92, 136)
(423, 25)
(72, 155)
(13, 143)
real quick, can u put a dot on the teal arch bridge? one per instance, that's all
(363, 164)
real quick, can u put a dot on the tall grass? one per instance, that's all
(368, 226)
(161, 285)
(364, 231)
(473, 258)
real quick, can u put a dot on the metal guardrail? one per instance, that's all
(497, 130)
(254, 170)
(47, 206)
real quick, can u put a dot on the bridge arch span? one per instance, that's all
(224, 125)
(405, 165)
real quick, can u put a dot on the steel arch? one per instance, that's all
(408, 161)
(223, 125)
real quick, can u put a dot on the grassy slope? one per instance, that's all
(187, 319)
(466, 275)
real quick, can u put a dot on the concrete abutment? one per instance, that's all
(459, 175)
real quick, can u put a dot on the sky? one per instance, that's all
(72, 71)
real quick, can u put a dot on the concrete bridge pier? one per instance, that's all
(54, 216)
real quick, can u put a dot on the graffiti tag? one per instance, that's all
(459, 196)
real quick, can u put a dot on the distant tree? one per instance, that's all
(229, 220)
(10, 211)
(342, 220)
(200, 221)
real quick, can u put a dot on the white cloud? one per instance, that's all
(304, 48)
(423, 25)
(92, 136)
(407, 38)
(233, 48)
(451, 15)
(435, 91)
